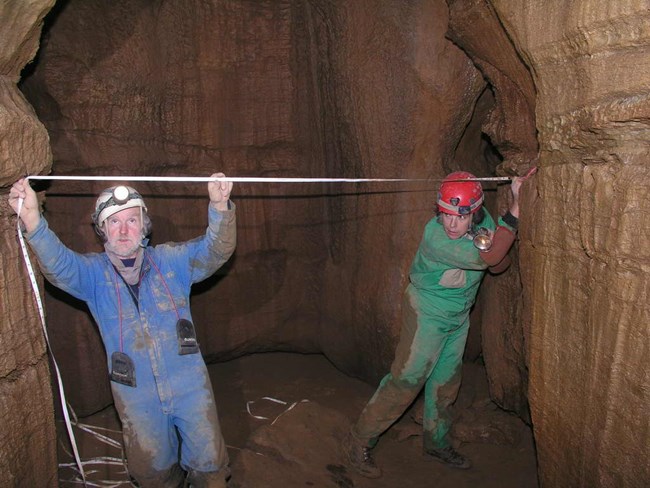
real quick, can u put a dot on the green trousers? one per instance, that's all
(429, 355)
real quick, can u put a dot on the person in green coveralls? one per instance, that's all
(459, 244)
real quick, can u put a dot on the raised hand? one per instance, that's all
(219, 191)
(30, 213)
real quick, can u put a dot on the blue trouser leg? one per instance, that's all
(153, 435)
(151, 444)
(202, 448)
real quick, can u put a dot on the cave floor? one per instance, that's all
(283, 416)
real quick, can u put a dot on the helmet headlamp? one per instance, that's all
(115, 199)
(482, 239)
(121, 194)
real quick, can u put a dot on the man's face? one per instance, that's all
(456, 226)
(124, 232)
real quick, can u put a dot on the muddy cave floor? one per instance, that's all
(296, 443)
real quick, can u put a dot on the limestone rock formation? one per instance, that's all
(586, 253)
(510, 126)
(28, 447)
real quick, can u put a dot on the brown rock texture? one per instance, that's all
(585, 254)
(510, 125)
(28, 439)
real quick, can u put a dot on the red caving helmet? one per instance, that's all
(457, 197)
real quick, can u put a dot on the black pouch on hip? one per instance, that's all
(187, 343)
(122, 369)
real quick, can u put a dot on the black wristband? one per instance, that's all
(511, 220)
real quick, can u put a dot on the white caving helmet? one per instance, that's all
(114, 199)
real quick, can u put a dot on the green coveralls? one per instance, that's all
(445, 276)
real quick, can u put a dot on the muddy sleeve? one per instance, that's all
(215, 248)
(501, 243)
(501, 266)
(64, 268)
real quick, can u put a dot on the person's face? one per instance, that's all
(124, 232)
(456, 226)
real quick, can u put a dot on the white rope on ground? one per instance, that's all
(102, 438)
(99, 460)
(275, 400)
(110, 460)
(292, 405)
(105, 460)
(260, 417)
(97, 427)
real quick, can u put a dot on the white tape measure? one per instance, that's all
(254, 179)
(37, 295)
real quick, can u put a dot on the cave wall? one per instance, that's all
(509, 124)
(28, 438)
(586, 252)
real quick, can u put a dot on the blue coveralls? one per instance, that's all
(173, 392)
(444, 278)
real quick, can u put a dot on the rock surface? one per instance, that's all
(586, 252)
(28, 440)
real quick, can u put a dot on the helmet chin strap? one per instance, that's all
(143, 237)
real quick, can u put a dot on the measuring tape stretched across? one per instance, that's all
(37, 295)
(254, 179)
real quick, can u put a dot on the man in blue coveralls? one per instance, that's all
(139, 295)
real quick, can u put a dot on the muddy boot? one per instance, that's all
(360, 458)
(449, 456)
(211, 479)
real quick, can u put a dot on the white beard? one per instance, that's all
(122, 252)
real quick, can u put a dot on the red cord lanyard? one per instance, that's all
(119, 305)
(119, 300)
(169, 293)
(122, 366)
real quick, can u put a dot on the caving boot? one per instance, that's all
(360, 458)
(449, 456)
(210, 479)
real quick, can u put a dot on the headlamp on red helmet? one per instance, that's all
(458, 197)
